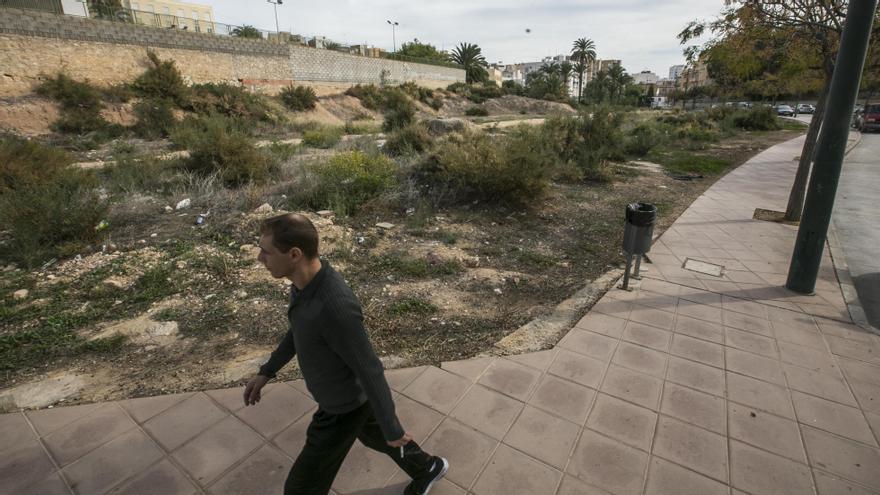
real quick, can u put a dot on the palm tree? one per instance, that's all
(565, 70)
(618, 79)
(584, 53)
(550, 69)
(247, 31)
(470, 56)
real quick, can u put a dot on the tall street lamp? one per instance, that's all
(393, 34)
(275, 4)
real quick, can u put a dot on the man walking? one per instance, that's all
(338, 363)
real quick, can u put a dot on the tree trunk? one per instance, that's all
(799, 188)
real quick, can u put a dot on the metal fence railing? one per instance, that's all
(207, 26)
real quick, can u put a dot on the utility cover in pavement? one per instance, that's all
(703, 267)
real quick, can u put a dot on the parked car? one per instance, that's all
(784, 110)
(805, 108)
(869, 119)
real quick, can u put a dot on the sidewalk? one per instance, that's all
(692, 384)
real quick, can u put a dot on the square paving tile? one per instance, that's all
(540, 360)
(754, 365)
(696, 375)
(276, 411)
(640, 359)
(102, 424)
(23, 464)
(363, 470)
(631, 424)
(608, 464)
(704, 330)
(542, 436)
(830, 416)
(874, 421)
(232, 399)
(438, 389)
(511, 472)
(162, 477)
(806, 357)
(699, 311)
(578, 368)
(868, 352)
(863, 372)
(573, 486)
(744, 306)
(759, 394)
(589, 344)
(613, 307)
(693, 447)
(827, 484)
(800, 336)
(52, 485)
(399, 379)
(749, 323)
(513, 379)
(867, 394)
(692, 406)
(216, 449)
(750, 342)
(145, 408)
(563, 398)
(418, 420)
(177, 424)
(633, 386)
(611, 326)
(763, 473)
(263, 472)
(292, 439)
(652, 316)
(698, 350)
(844, 457)
(46, 421)
(400, 480)
(15, 432)
(466, 450)
(666, 478)
(767, 431)
(100, 469)
(468, 368)
(647, 336)
(487, 411)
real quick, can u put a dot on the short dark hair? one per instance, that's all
(292, 230)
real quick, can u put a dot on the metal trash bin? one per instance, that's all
(637, 235)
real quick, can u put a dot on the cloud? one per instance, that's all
(642, 33)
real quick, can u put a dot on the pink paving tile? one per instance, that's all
(748, 323)
(46, 421)
(767, 431)
(704, 330)
(633, 386)
(511, 472)
(113, 462)
(418, 420)
(163, 477)
(589, 344)
(487, 411)
(613, 307)
(51, 485)
(666, 478)
(276, 411)
(698, 350)
(750, 342)
(867, 394)
(819, 384)
(640, 358)
(858, 370)
(399, 379)
(263, 472)
(101, 425)
(364, 470)
(563, 398)
(763, 473)
(755, 366)
(437, 389)
(513, 379)
(655, 300)
(233, 398)
(827, 484)
(177, 424)
(695, 407)
(578, 368)
(216, 449)
(806, 357)
(15, 432)
(648, 336)
(830, 416)
(543, 436)
(611, 326)
(540, 360)
(23, 465)
(608, 464)
(468, 368)
(573, 486)
(654, 317)
(844, 457)
(868, 352)
(146, 407)
(696, 375)
(798, 335)
(628, 423)
(693, 447)
(466, 449)
(292, 439)
(759, 394)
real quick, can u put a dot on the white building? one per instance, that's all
(675, 71)
(645, 77)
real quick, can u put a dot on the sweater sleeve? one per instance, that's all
(280, 356)
(348, 339)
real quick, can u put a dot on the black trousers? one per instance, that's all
(328, 440)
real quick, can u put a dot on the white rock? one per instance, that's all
(325, 213)
(497, 291)
(20, 294)
(183, 203)
(264, 208)
(385, 225)
(168, 209)
(154, 235)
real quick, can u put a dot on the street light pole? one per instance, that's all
(394, 24)
(275, 4)
(831, 147)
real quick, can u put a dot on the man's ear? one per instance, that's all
(295, 253)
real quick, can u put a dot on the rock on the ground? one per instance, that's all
(325, 213)
(244, 366)
(264, 209)
(385, 225)
(118, 283)
(445, 126)
(143, 331)
(20, 294)
(182, 204)
(44, 392)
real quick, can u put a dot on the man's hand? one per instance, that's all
(252, 390)
(400, 442)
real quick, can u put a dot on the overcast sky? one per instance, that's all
(639, 32)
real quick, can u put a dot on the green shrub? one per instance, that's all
(45, 213)
(348, 180)
(361, 128)
(322, 137)
(459, 88)
(162, 80)
(130, 174)
(586, 141)
(479, 94)
(118, 93)
(154, 118)
(476, 166)
(399, 110)
(80, 104)
(756, 119)
(476, 112)
(684, 163)
(369, 94)
(231, 101)
(513, 88)
(643, 138)
(218, 146)
(299, 98)
(413, 138)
